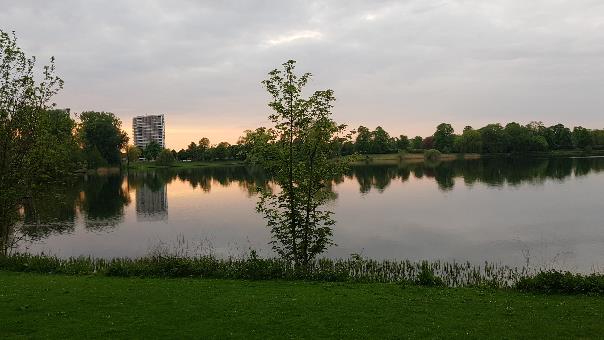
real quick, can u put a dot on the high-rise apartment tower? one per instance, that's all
(146, 129)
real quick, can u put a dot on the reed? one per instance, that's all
(252, 267)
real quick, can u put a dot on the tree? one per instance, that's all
(582, 137)
(493, 139)
(257, 145)
(443, 138)
(558, 137)
(402, 142)
(55, 152)
(23, 131)
(428, 143)
(133, 153)
(221, 151)
(598, 137)
(303, 167)
(152, 150)
(417, 142)
(470, 141)
(381, 141)
(202, 149)
(103, 131)
(363, 140)
(165, 158)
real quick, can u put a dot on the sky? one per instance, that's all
(404, 65)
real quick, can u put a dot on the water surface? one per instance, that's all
(539, 212)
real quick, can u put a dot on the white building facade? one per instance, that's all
(146, 129)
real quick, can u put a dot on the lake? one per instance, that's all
(536, 212)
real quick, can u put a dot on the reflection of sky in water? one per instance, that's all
(548, 215)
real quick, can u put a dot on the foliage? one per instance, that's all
(470, 141)
(417, 142)
(494, 139)
(427, 278)
(443, 138)
(562, 283)
(25, 128)
(402, 143)
(102, 131)
(152, 150)
(165, 158)
(432, 155)
(582, 137)
(304, 164)
(133, 153)
(355, 269)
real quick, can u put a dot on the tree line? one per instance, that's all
(490, 139)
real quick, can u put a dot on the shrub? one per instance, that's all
(427, 278)
(165, 158)
(432, 155)
(562, 283)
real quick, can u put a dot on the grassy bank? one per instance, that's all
(254, 268)
(56, 306)
(182, 165)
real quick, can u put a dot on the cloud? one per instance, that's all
(405, 65)
(293, 36)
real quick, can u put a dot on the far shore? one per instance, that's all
(390, 158)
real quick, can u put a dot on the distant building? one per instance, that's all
(146, 129)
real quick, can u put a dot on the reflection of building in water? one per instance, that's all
(151, 205)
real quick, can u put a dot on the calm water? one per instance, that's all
(545, 212)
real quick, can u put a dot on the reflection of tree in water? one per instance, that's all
(52, 210)
(103, 202)
(494, 172)
(102, 198)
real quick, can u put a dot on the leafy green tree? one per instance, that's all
(363, 140)
(494, 139)
(133, 153)
(103, 131)
(303, 167)
(24, 102)
(221, 151)
(55, 152)
(381, 141)
(258, 145)
(598, 137)
(165, 158)
(470, 141)
(402, 142)
(202, 149)
(519, 138)
(443, 138)
(582, 137)
(417, 142)
(152, 150)
(558, 137)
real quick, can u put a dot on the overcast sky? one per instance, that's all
(404, 65)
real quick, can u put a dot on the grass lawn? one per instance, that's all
(55, 306)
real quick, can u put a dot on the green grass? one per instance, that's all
(57, 306)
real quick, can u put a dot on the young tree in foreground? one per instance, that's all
(23, 103)
(303, 164)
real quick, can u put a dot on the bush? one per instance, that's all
(432, 155)
(165, 158)
(562, 283)
(427, 277)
